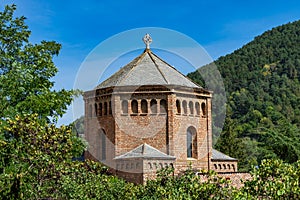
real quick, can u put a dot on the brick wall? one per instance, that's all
(165, 130)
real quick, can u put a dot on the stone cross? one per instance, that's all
(147, 40)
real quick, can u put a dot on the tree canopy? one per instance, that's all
(262, 82)
(26, 70)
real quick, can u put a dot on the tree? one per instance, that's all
(274, 179)
(26, 70)
(34, 156)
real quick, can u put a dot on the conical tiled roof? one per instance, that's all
(147, 69)
(145, 151)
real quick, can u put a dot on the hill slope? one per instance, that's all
(262, 82)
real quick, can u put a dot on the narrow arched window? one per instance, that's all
(178, 106)
(105, 108)
(191, 106)
(191, 142)
(125, 107)
(96, 110)
(184, 105)
(163, 106)
(204, 109)
(161, 165)
(134, 106)
(100, 109)
(233, 167)
(109, 108)
(153, 106)
(172, 166)
(144, 106)
(228, 165)
(197, 107)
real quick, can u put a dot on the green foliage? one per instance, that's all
(274, 179)
(262, 82)
(36, 163)
(189, 185)
(88, 180)
(32, 154)
(26, 70)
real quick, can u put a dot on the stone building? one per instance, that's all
(148, 116)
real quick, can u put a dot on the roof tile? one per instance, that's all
(147, 69)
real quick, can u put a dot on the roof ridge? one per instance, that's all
(176, 69)
(143, 150)
(135, 64)
(141, 71)
(150, 52)
(120, 71)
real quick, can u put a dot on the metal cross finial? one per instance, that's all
(147, 40)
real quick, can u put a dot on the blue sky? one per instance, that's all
(219, 26)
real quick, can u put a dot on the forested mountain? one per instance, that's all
(262, 82)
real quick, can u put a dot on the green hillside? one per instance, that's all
(263, 97)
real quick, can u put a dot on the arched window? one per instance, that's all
(153, 106)
(100, 109)
(144, 106)
(161, 165)
(178, 106)
(191, 106)
(215, 165)
(134, 106)
(163, 106)
(197, 106)
(233, 167)
(224, 166)
(96, 110)
(184, 105)
(228, 165)
(204, 109)
(171, 165)
(191, 142)
(105, 108)
(109, 108)
(125, 107)
(220, 166)
(90, 114)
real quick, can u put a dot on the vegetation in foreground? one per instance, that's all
(36, 163)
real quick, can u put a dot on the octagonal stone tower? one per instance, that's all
(147, 116)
